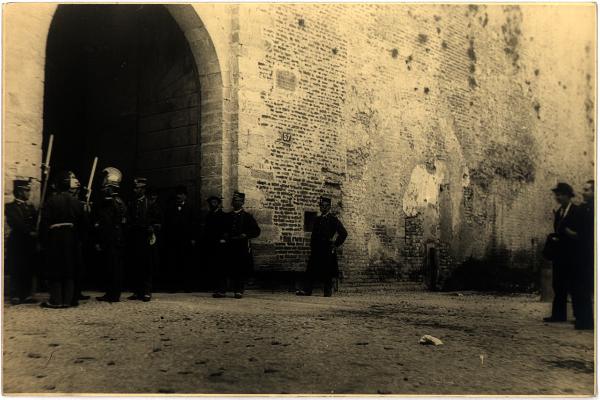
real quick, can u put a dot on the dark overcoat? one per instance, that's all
(323, 262)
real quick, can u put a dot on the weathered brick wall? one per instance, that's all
(439, 126)
(444, 125)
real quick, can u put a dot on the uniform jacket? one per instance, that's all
(109, 218)
(21, 218)
(238, 248)
(143, 215)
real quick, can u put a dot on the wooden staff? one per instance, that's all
(88, 195)
(45, 176)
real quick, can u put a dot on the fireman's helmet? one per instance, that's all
(111, 177)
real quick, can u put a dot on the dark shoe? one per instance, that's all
(238, 295)
(15, 301)
(83, 297)
(553, 319)
(29, 300)
(75, 304)
(327, 294)
(218, 295)
(302, 293)
(146, 298)
(134, 297)
(107, 299)
(50, 305)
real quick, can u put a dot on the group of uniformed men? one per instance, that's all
(117, 228)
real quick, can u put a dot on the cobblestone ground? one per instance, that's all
(359, 343)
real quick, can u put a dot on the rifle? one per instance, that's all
(45, 175)
(88, 195)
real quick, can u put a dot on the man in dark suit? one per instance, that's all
(240, 228)
(583, 279)
(566, 225)
(180, 240)
(327, 235)
(21, 243)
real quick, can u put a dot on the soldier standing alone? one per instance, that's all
(21, 243)
(240, 228)
(109, 217)
(327, 235)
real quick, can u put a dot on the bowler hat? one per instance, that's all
(564, 188)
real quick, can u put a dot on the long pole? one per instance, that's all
(88, 195)
(45, 175)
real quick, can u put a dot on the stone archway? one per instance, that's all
(26, 33)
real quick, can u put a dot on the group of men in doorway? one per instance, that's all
(571, 249)
(126, 237)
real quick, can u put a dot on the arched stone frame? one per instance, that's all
(26, 31)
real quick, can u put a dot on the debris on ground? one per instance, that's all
(428, 340)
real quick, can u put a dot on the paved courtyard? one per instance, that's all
(354, 343)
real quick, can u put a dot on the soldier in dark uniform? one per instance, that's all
(62, 223)
(180, 242)
(109, 217)
(79, 195)
(214, 240)
(566, 225)
(583, 279)
(240, 228)
(21, 243)
(142, 241)
(327, 235)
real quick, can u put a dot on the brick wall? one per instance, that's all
(428, 124)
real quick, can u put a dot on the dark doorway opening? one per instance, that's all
(121, 84)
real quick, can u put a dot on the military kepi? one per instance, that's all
(140, 182)
(564, 188)
(22, 184)
(325, 200)
(239, 196)
(217, 198)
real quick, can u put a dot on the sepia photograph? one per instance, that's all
(299, 199)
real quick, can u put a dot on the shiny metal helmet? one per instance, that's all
(111, 177)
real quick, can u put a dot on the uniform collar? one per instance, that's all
(19, 201)
(238, 211)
